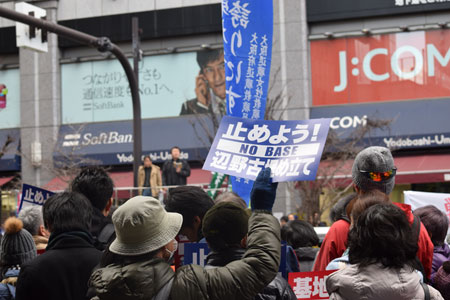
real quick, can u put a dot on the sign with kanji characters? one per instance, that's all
(420, 199)
(309, 285)
(247, 42)
(292, 149)
(98, 91)
(32, 195)
(195, 253)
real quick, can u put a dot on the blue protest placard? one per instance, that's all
(32, 195)
(247, 44)
(292, 149)
(195, 253)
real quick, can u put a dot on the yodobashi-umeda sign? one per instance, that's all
(292, 149)
(387, 67)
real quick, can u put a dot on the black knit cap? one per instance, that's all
(225, 224)
(17, 244)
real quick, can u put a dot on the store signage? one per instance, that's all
(389, 67)
(413, 124)
(111, 143)
(331, 10)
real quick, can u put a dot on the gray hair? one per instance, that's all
(231, 197)
(32, 218)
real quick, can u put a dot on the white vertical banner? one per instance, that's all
(420, 199)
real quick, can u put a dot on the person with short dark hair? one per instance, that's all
(362, 203)
(284, 220)
(209, 85)
(302, 237)
(176, 170)
(192, 203)
(62, 272)
(382, 254)
(436, 223)
(33, 222)
(96, 185)
(225, 227)
(231, 197)
(149, 178)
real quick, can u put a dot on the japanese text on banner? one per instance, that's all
(310, 285)
(247, 39)
(292, 149)
(32, 195)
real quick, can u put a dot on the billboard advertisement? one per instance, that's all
(9, 98)
(170, 85)
(332, 10)
(391, 67)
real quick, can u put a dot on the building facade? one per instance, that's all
(352, 62)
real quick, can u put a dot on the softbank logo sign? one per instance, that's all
(102, 138)
(387, 67)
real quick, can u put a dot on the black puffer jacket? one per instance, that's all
(278, 288)
(99, 224)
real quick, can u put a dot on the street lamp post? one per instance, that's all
(102, 44)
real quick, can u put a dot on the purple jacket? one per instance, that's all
(440, 254)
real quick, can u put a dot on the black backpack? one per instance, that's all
(105, 236)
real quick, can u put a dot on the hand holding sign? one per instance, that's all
(244, 147)
(263, 192)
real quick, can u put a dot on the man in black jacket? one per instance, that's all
(96, 185)
(225, 227)
(63, 271)
(192, 202)
(177, 170)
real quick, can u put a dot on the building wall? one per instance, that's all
(41, 78)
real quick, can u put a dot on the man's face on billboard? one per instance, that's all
(214, 72)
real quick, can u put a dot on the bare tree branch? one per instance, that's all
(320, 195)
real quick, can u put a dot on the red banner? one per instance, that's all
(390, 67)
(309, 285)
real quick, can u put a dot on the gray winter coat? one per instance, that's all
(377, 283)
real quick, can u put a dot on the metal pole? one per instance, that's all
(102, 44)
(136, 57)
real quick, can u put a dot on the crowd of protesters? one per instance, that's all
(74, 247)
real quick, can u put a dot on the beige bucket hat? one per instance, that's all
(142, 225)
